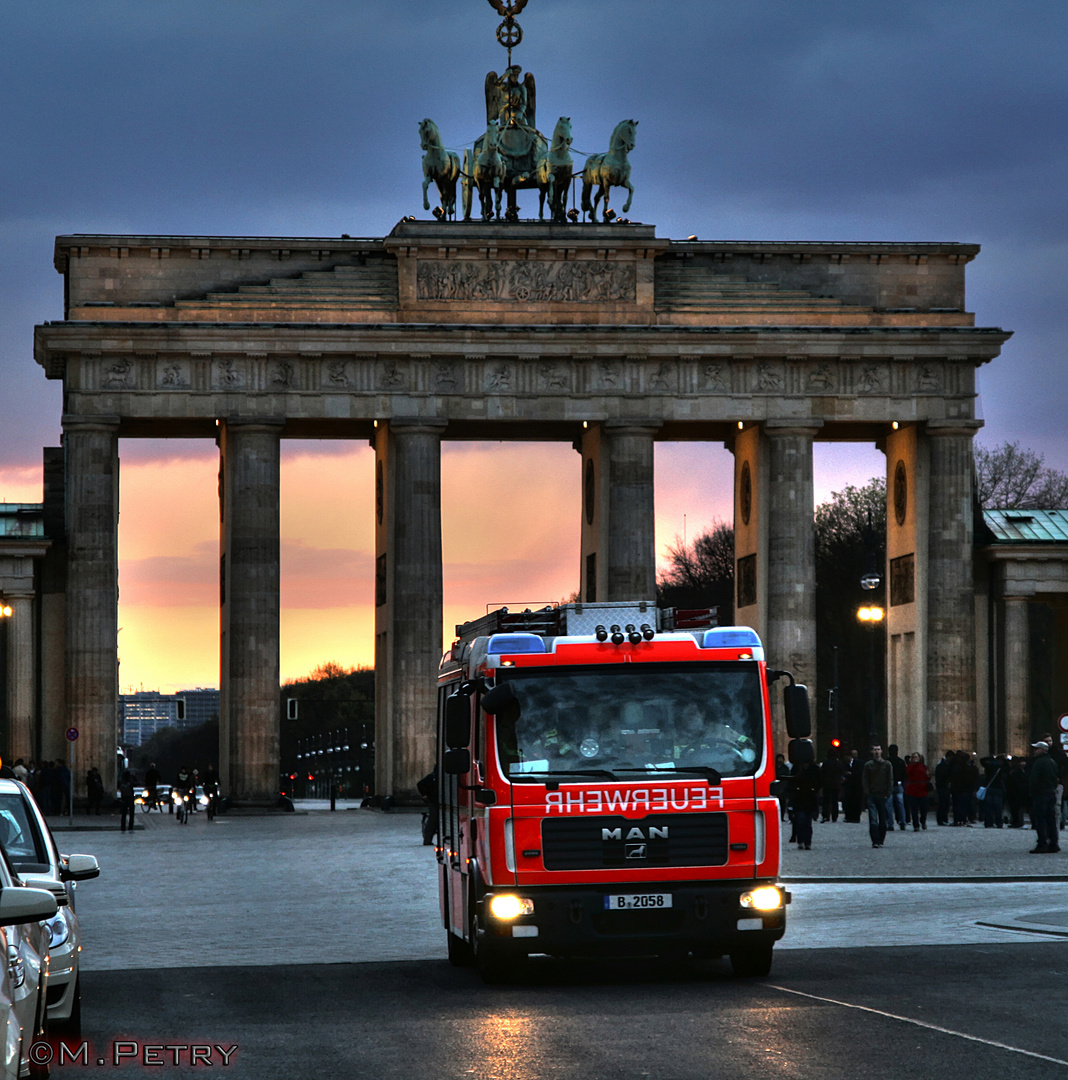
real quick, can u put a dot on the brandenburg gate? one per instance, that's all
(602, 335)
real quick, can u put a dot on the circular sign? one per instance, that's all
(72, 733)
(1062, 722)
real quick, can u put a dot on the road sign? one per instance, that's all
(72, 733)
(1062, 723)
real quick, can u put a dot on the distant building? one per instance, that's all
(142, 714)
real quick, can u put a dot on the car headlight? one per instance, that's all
(59, 929)
(508, 906)
(766, 898)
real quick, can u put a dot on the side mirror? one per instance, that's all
(79, 868)
(496, 699)
(801, 752)
(456, 762)
(19, 905)
(795, 704)
(457, 721)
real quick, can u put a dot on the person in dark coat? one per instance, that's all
(963, 783)
(94, 791)
(943, 772)
(805, 799)
(831, 783)
(126, 801)
(995, 780)
(852, 788)
(1042, 781)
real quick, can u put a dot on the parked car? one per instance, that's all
(28, 841)
(24, 916)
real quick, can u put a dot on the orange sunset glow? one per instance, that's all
(510, 535)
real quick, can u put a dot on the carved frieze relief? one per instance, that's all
(118, 375)
(570, 281)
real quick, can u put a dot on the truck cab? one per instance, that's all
(605, 789)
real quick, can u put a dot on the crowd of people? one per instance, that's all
(48, 780)
(963, 789)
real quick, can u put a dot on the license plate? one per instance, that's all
(632, 901)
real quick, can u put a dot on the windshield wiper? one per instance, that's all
(706, 771)
(564, 772)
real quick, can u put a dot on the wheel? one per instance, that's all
(751, 961)
(460, 952)
(493, 964)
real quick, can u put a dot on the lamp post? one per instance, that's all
(871, 617)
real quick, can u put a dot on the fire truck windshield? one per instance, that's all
(632, 719)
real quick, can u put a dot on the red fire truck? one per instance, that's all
(605, 787)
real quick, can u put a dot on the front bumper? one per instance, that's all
(706, 919)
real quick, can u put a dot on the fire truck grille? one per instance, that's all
(659, 840)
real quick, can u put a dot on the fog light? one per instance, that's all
(766, 898)
(507, 906)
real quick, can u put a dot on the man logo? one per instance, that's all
(637, 851)
(635, 833)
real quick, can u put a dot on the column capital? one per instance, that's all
(79, 422)
(807, 427)
(417, 425)
(964, 428)
(265, 424)
(637, 425)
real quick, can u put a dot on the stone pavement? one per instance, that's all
(359, 886)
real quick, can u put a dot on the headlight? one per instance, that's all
(59, 929)
(508, 906)
(766, 898)
(203, 800)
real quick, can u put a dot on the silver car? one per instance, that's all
(24, 937)
(28, 841)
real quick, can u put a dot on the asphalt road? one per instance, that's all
(308, 946)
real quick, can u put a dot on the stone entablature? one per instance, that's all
(529, 274)
(457, 374)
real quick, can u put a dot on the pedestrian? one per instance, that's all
(94, 791)
(21, 772)
(1016, 794)
(782, 774)
(917, 792)
(997, 775)
(805, 800)
(126, 801)
(852, 788)
(63, 787)
(1042, 783)
(897, 800)
(943, 772)
(831, 784)
(877, 779)
(963, 782)
(428, 788)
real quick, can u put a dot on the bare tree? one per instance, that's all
(1011, 478)
(701, 574)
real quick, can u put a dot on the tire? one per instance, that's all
(752, 962)
(494, 965)
(460, 952)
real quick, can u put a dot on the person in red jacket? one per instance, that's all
(917, 792)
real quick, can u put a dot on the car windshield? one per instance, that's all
(632, 719)
(20, 836)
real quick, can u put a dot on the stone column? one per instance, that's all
(631, 569)
(408, 602)
(1018, 733)
(91, 448)
(21, 678)
(951, 718)
(248, 584)
(791, 589)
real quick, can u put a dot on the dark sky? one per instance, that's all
(781, 119)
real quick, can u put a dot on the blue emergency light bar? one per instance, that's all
(515, 643)
(731, 637)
